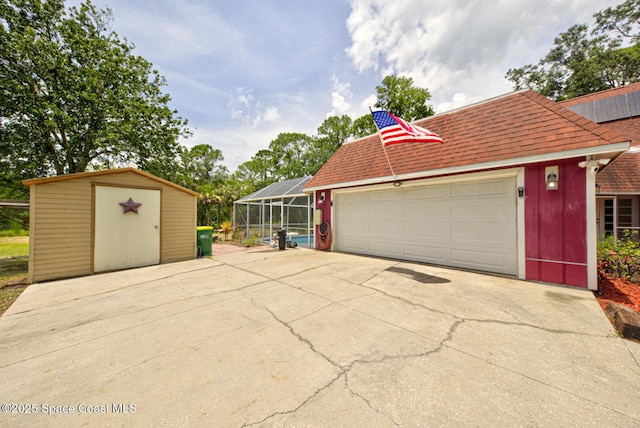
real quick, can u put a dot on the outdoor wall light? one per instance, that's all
(397, 184)
(551, 174)
(321, 198)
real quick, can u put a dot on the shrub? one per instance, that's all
(620, 258)
(227, 227)
(252, 242)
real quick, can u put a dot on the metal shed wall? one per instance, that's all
(61, 221)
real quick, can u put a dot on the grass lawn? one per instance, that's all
(14, 246)
(14, 257)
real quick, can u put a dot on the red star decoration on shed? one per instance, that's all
(130, 206)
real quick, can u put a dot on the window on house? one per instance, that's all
(625, 213)
(628, 216)
(608, 217)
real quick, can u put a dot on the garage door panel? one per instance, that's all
(429, 231)
(483, 233)
(385, 228)
(466, 224)
(424, 253)
(385, 213)
(422, 193)
(358, 198)
(478, 189)
(384, 248)
(474, 259)
(414, 211)
(356, 246)
(384, 197)
(353, 213)
(491, 211)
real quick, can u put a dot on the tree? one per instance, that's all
(332, 134)
(583, 61)
(398, 95)
(363, 126)
(209, 198)
(622, 20)
(259, 170)
(288, 155)
(335, 131)
(202, 165)
(74, 96)
(295, 155)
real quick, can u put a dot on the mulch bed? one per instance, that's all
(618, 291)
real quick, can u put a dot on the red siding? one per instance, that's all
(326, 212)
(555, 224)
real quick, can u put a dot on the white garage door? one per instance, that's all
(469, 224)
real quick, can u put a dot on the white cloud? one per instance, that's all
(243, 72)
(458, 100)
(245, 109)
(339, 95)
(369, 101)
(271, 114)
(459, 46)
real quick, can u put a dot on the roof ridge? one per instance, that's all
(85, 174)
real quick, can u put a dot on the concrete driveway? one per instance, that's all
(306, 338)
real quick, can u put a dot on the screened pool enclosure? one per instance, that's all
(284, 204)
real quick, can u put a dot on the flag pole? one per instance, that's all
(383, 146)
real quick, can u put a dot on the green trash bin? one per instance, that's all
(204, 239)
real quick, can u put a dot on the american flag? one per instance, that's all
(395, 130)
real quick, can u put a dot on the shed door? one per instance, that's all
(124, 238)
(471, 224)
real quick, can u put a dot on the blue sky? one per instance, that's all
(244, 71)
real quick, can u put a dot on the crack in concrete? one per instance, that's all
(461, 320)
(293, 332)
(136, 284)
(384, 358)
(301, 405)
(633, 357)
(480, 320)
(344, 370)
(313, 349)
(367, 402)
(127, 328)
(337, 302)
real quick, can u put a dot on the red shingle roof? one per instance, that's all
(622, 175)
(517, 125)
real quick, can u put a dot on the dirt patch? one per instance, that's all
(15, 240)
(13, 279)
(8, 295)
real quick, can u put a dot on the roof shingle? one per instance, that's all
(517, 125)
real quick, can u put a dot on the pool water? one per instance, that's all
(301, 240)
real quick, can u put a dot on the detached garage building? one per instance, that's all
(93, 222)
(511, 191)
